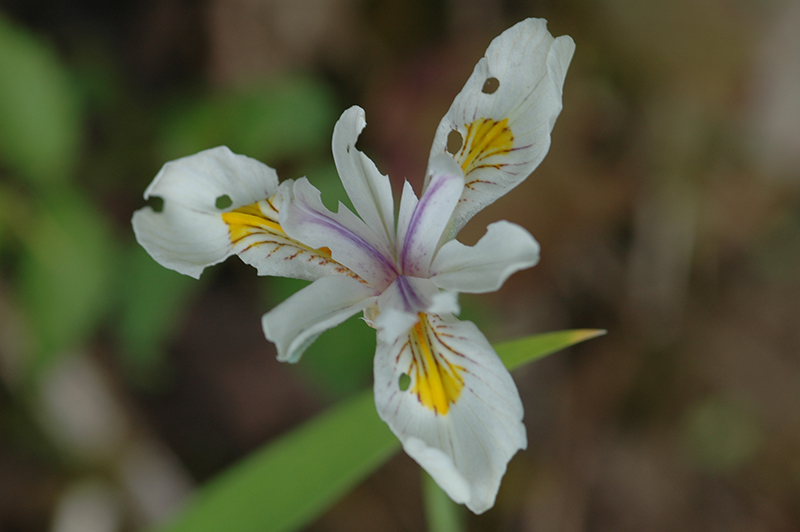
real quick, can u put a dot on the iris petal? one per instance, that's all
(504, 134)
(422, 223)
(401, 303)
(191, 232)
(504, 249)
(461, 416)
(351, 241)
(297, 322)
(367, 188)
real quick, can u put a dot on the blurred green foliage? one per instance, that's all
(75, 272)
(67, 271)
(270, 121)
(40, 111)
(720, 435)
(76, 269)
(154, 297)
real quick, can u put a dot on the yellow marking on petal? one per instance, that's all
(261, 221)
(242, 222)
(437, 381)
(250, 219)
(485, 138)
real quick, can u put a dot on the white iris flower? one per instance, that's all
(439, 385)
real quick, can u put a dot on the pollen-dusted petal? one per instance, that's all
(297, 322)
(504, 249)
(498, 128)
(351, 242)
(459, 414)
(420, 224)
(368, 189)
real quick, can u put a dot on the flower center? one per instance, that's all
(437, 381)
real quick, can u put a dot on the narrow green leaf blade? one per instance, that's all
(523, 350)
(294, 479)
(441, 514)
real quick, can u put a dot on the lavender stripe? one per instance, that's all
(320, 219)
(410, 298)
(419, 210)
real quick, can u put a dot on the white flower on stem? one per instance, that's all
(439, 385)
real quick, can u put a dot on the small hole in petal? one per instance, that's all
(490, 86)
(156, 203)
(223, 202)
(454, 142)
(404, 382)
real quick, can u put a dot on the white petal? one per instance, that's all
(504, 249)
(505, 133)
(440, 466)
(260, 240)
(351, 242)
(392, 324)
(191, 232)
(421, 223)
(460, 417)
(297, 322)
(368, 189)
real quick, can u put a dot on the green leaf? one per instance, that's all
(441, 513)
(40, 122)
(291, 481)
(296, 477)
(523, 350)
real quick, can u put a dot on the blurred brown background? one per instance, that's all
(668, 211)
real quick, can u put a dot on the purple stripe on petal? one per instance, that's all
(343, 232)
(428, 222)
(411, 299)
(413, 225)
(351, 242)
